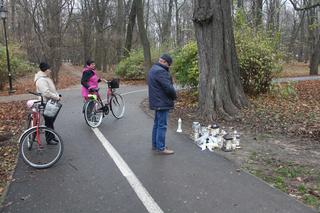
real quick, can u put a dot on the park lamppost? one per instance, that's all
(3, 15)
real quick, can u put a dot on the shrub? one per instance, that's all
(257, 61)
(19, 66)
(185, 66)
(132, 66)
(258, 57)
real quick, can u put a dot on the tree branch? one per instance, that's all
(294, 4)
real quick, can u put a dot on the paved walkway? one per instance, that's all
(113, 169)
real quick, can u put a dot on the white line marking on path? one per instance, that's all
(134, 182)
(127, 93)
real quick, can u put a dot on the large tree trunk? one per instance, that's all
(119, 30)
(220, 89)
(86, 16)
(130, 26)
(312, 36)
(143, 36)
(54, 35)
(302, 32)
(257, 13)
(178, 27)
(166, 25)
(273, 16)
(315, 58)
(240, 4)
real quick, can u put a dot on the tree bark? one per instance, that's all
(86, 16)
(240, 4)
(143, 36)
(315, 58)
(166, 25)
(13, 18)
(220, 89)
(257, 13)
(302, 32)
(55, 37)
(119, 30)
(312, 38)
(178, 28)
(273, 16)
(131, 23)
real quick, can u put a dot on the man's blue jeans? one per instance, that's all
(159, 129)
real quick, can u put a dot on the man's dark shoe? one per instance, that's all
(52, 142)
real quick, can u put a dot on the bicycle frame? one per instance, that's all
(96, 95)
(37, 109)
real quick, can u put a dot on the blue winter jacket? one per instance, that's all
(161, 91)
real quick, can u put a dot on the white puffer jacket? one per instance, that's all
(45, 86)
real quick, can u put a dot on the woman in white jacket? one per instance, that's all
(46, 87)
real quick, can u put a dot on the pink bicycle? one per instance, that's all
(95, 108)
(34, 147)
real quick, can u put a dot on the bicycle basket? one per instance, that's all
(114, 83)
(52, 109)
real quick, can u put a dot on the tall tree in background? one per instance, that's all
(85, 28)
(311, 6)
(166, 24)
(120, 26)
(100, 12)
(137, 11)
(220, 88)
(130, 27)
(240, 4)
(257, 13)
(49, 28)
(273, 16)
(143, 35)
(315, 58)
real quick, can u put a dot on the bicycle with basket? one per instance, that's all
(95, 108)
(35, 149)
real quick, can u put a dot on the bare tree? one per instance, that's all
(273, 16)
(86, 28)
(143, 35)
(166, 24)
(130, 26)
(257, 13)
(120, 29)
(100, 13)
(315, 59)
(313, 39)
(49, 27)
(178, 22)
(220, 88)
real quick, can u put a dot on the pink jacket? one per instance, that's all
(92, 82)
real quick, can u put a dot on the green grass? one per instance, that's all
(284, 176)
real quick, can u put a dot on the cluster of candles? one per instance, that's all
(212, 137)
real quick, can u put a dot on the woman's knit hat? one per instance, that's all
(44, 66)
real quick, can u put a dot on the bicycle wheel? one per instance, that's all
(93, 113)
(40, 155)
(117, 105)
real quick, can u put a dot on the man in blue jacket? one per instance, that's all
(161, 99)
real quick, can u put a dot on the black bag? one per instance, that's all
(52, 108)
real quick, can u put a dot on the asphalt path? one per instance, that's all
(113, 169)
